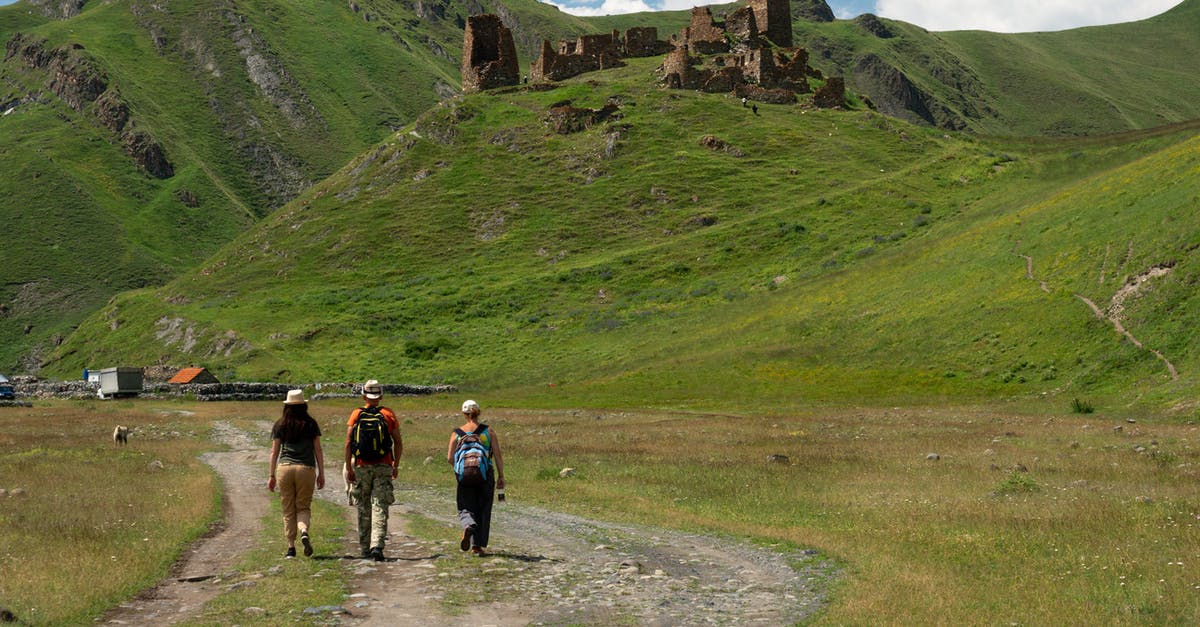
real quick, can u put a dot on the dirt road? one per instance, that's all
(545, 567)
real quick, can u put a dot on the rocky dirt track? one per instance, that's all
(545, 567)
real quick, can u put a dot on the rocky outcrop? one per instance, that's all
(58, 9)
(872, 24)
(79, 82)
(565, 119)
(148, 154)
(894, 94)
(112, 111)
(812, 10)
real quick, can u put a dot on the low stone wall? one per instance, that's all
(221, 391)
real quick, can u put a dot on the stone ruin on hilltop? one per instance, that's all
(489, 55)
(749, 53)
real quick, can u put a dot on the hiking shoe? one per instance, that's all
(466, 540)
(291, 552)
(478, 551)
(377, 553)
(366, 553)
(307, 545)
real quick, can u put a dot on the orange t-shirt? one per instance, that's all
(393, 427)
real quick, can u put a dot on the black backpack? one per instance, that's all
(372, 440)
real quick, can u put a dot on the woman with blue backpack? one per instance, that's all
(474, 451)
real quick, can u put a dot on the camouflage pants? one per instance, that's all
(374, 493)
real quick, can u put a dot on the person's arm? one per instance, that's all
(397, 449)
(348, 454)
(450, 449)
(320, 462)
(499, 459)
(275, 444)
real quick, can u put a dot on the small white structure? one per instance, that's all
(123, 381)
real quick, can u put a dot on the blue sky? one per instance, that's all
(1007, 16)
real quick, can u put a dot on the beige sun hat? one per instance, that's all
(295, 397)
(372, 390)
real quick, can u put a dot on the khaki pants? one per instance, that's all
(296, 485)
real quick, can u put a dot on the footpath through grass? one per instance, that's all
(1027, 514)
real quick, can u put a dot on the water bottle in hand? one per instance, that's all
(500, 495)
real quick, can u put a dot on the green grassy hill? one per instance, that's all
(806, 254)
(1092, 80)
(254, 103)
(251, 103)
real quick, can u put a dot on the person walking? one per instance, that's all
(297, 464)
(474, 452)
(372, 453)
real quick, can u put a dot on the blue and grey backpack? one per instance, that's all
(472, 459)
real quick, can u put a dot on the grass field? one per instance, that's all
(1030, 515)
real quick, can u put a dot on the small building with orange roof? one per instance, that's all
(193, 375)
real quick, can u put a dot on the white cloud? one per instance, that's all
(682, 5)
(1003, 16)
(615, 7)
(608, 7)
(1011, 16)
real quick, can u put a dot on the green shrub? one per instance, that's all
(1018, 482)
(1081, 407)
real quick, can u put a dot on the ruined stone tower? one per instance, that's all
(774, 20)
(489, 54)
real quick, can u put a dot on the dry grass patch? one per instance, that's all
(96, 522)
(1025, 518)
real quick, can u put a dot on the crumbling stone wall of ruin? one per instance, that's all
(574, 57)
(831, 95)
(741, 28)
(774, 18)
(758, 65)
(791, 69)
(677, 70)
(597, 45)
(489, 55)
(758, 93)
(643, 42)
(704, 36)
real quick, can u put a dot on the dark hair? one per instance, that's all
(294, 424)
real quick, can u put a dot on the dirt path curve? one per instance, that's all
(545, 567)
(196, 577)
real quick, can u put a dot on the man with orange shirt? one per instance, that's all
(372, 452)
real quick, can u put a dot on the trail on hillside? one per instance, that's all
(545, 567)
(1116, 310)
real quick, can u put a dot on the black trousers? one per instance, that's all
(475, 508)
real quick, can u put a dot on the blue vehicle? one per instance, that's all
(6, 389)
